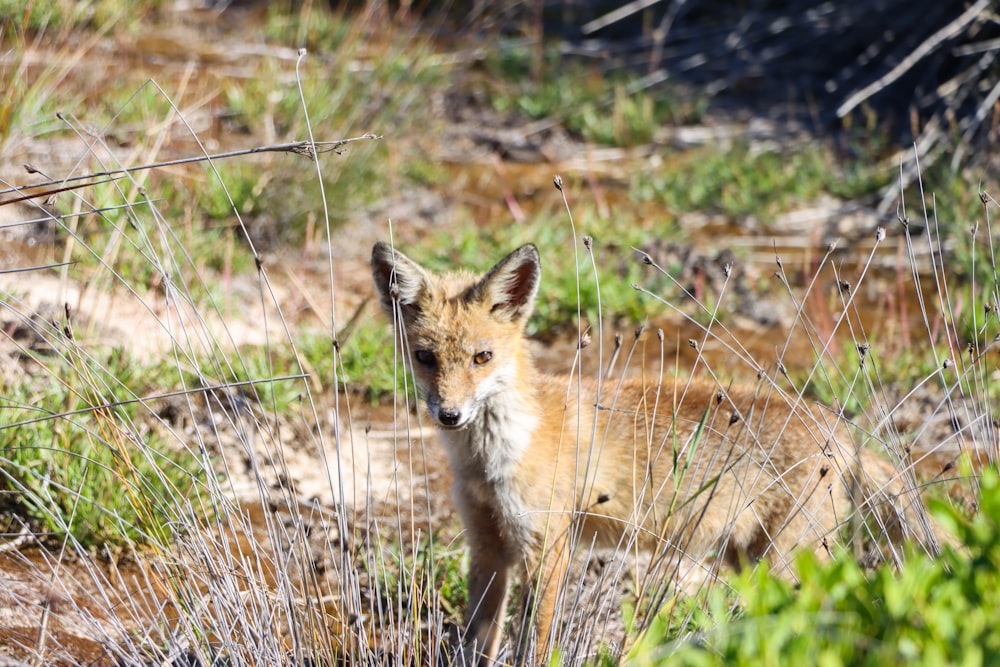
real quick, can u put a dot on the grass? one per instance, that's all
(41, 15)
(746, 181)
(229, 455)
(606, 108)
(594, 282)
(78, 458)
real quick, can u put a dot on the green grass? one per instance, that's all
(74, 461)
(368, 361)
(599, 107)
(569, 276)
(431, 563)
(741, 181)
(349, 90)
(365, 358)
(40, 15)
(84, 453)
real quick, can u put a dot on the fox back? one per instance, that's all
(698, 473)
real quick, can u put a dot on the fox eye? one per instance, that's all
(424, 357)
(482, 357)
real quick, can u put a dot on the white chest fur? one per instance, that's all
(484, 457)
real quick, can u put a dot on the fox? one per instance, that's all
(724, 476)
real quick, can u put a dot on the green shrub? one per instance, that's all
(933, 611)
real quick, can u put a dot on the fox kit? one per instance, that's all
(692, 469)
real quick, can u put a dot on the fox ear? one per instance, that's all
(398, 280)
(511, 285)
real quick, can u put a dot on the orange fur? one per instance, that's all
(697, 471)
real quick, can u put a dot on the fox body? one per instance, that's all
(692, 469)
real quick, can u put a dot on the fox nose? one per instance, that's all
(449, 417)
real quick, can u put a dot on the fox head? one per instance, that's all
(466, 334)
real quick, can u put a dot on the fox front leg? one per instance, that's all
(488, 582)
(542, 585)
